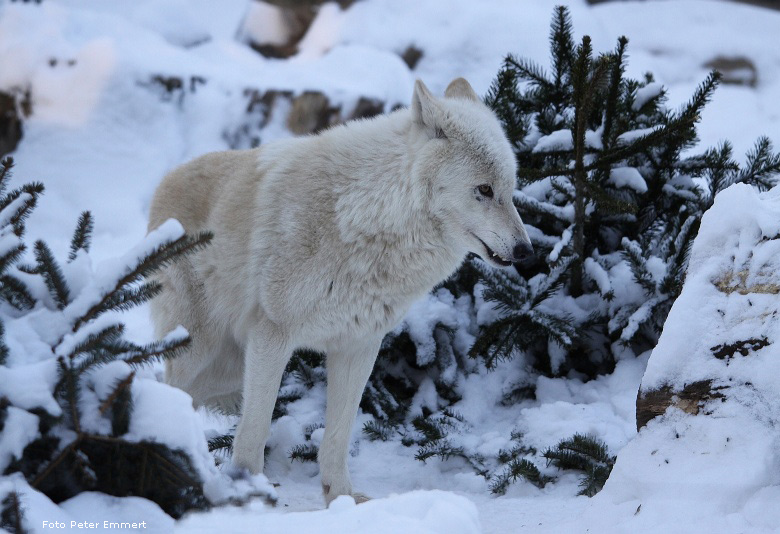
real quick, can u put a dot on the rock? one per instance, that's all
(259, 111)
(173, 87)
(691, 399)
(344, 4)
(412, 56)
(735, 70)
(730, 300)
(306, 113)
(11, 121)
(367, 107)
(708, 408)
(310, 113)
(275, 27)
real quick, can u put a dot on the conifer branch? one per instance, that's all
(613, 93)
(377, 430)
(527, 70)
(223, 442)
(89, 461)
(68, 389)
(122, 406)
(155, 351)
(82, 235)
(48, 267)
(6, 164)
(11, 514)
(12, 256)
(761, 167)
(633, 255)
(516, 469)
(441, 448)
(304, 453)
(16, 293)
(27, 197)
(120, 386)
(128, 298)
(562, 45)
(497, 340)
(161, 257)
(586, 454)
(98, 340)
(3, 352)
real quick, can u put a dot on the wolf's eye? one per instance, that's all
(486, 190)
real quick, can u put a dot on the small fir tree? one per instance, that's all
(610, 203)
(78, 424)
(586, 454)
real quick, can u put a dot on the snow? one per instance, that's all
(603, 407)
(425, 315)
(629, 177)
(42, 515)
(13, 207)
(423, 512)
(558, 140)
(264, 24)
(629, 137)
(738, 235)
(556, 250)
(322, 35)
(646, 94)
(102, 135)
(597, 273)
(20, 428)
(115, 514)
(30, 386)
(593, 138)
(564, 213)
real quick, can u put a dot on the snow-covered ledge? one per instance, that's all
(708, 408)
(718, 344)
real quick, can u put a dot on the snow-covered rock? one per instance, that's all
(709, 403)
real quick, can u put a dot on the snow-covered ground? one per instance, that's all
(102, 135)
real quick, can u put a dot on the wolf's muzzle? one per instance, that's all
(522, 250)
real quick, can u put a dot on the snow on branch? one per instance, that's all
(525, 202)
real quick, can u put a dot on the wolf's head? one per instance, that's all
(471, 168)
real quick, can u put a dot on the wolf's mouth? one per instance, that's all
(492, 256)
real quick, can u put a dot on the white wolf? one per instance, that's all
(324, 242)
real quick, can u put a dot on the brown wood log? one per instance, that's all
(691, 399)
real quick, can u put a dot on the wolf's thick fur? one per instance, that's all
(324, 242)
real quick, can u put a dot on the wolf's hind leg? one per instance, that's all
(349, 365)
(182, 303)
(267, 353)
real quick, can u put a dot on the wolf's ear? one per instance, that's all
(460, 88)
(425, 109)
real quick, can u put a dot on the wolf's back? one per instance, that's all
(189, 192)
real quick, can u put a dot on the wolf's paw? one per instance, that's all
(237, 485)
(331, 495)
(236, 472)
(360, 498)
(335, 490)
(342, 502)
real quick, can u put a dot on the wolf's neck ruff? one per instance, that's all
(378, 193)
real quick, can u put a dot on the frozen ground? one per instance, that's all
(101, 137)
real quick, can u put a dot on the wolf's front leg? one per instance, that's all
(349, 365)
(267, 353)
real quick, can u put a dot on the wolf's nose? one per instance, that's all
(522, 250)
